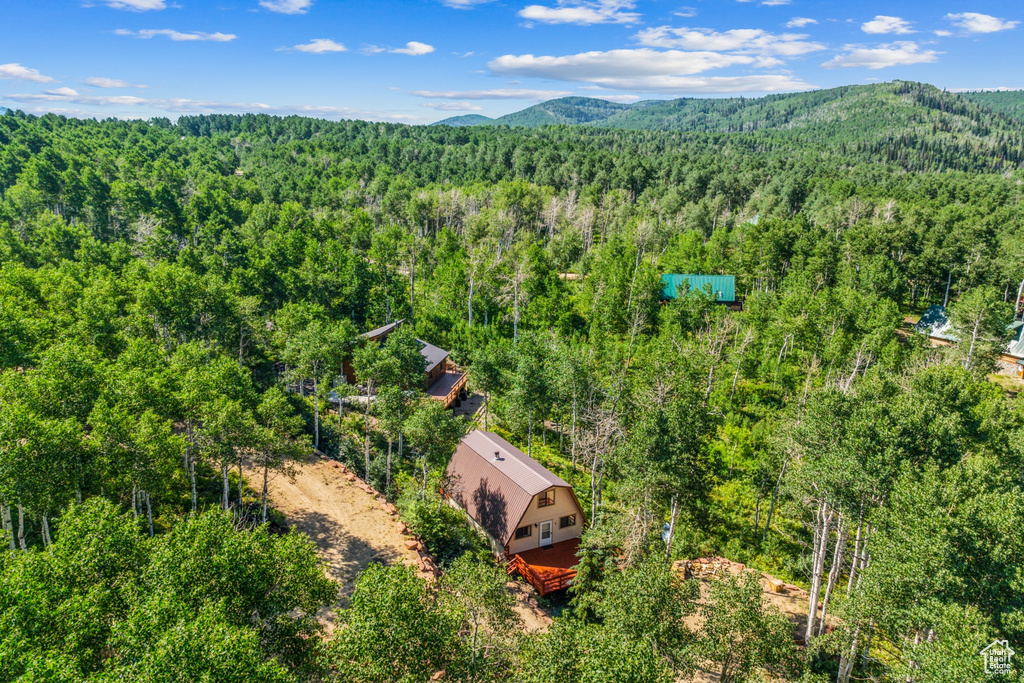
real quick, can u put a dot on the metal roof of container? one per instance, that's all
(722, 287)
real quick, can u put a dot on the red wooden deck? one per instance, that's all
(547, 569)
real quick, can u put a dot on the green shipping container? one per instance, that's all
(722, 287)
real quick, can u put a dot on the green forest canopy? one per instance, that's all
(169, 290)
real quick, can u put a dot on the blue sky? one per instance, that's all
(424, 60)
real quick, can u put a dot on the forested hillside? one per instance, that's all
(178, 298)
(1010, 103)
(464, 120)
(915, 125)
(565, 110)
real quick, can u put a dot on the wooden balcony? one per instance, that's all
(447, 387)
(547, 569)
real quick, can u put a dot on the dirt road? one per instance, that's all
(346, 523)
(352, 531)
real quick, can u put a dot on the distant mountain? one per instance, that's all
(1010, 103)
(740, 114)
(565, 110)
(914, 124)
(855, 112)
(847, 113)
(467, 120)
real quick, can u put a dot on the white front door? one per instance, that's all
(545, 533)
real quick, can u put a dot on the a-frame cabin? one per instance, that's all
(530, 515)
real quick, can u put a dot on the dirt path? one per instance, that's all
(345, 522)
(535, 619)
(352, 531)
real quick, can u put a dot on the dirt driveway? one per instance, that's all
(352, 531)
(345, 522)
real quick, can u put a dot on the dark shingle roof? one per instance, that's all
(433, 354)
(383, 330)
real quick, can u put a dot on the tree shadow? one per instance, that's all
(491, 510)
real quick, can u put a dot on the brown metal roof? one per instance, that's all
(518, 466)
(496, 491)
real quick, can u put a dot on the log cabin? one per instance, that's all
(530, 515)
(444, 381)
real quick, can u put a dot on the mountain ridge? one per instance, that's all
(464, 120)
(870, 104)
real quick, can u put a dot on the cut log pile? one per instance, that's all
(426, 563)
(706, 566)
(717, 566)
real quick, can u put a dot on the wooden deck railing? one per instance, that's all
(453, 394)
(542, 584)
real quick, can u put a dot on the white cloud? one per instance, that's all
(319, 46)
(646, 70)
(621, 99)
(184, 105)
(768, 62)
(15, 71)
(136, 5)
(800, 22)
(101, 100)
(973, 22)
(895, 54)
(714, 85)
(496, 94)
(769, 3)
(177, 35)
(414, 49)
(887, 24)
(744, 40)
(686, 12)
(287, 6)
(582, 12)
(453, 106)
(591, 66)
(100, 82)
(943, 34)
